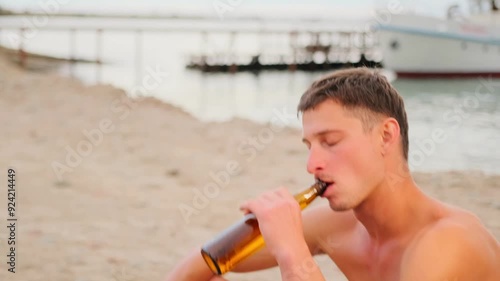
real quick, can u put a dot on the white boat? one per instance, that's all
(417, 46)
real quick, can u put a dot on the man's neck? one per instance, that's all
(393, 211)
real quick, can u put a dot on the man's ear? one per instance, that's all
(390, 135)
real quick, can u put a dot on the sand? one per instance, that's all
(111, 210)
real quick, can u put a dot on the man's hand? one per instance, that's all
(280, 222)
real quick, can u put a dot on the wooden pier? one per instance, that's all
(322, 49)
(255, 65)
(316, 55)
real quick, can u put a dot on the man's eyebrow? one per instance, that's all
(322, 133)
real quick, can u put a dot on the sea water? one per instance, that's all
(454, 123)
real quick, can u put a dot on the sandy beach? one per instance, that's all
(110, 188)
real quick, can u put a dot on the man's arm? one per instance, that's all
(281, 224)
(452, 252)
(191, 268)
(321, 227)
(324, 231)
(299, 265)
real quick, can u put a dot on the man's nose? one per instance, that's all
(316, 161)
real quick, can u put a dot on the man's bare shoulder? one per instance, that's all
(457, 246)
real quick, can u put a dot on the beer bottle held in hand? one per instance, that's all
(243, 238)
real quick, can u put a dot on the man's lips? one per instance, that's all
(320, 187)
(328, 187)
(324, 185)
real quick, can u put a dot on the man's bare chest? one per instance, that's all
(374, 271)
(362, 263)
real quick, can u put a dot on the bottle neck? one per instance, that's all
(305, 197)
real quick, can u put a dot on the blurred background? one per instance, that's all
(127, 38)
(186, 86)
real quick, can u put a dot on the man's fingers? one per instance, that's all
(265, 200)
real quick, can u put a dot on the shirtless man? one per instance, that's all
(379, 225)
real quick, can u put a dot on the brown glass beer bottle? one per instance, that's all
(244, 238)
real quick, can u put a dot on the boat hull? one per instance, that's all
(414, 51)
